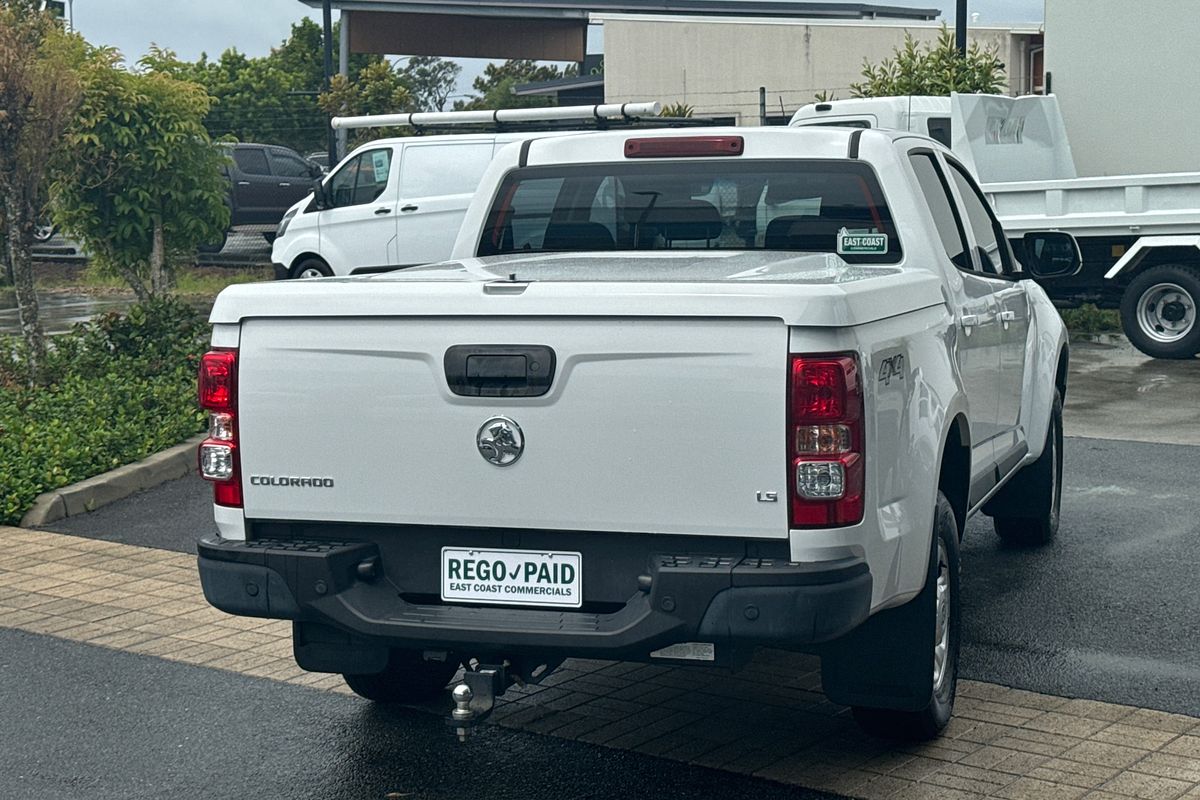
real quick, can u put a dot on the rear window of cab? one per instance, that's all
(811, 206)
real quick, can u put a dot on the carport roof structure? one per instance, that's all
(550, 30)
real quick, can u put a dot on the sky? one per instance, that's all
(255, 26)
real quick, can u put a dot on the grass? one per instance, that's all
(213, 279)
(191, 281)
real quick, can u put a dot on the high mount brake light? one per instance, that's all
(825, 441)
(685, 147)
(218, 454)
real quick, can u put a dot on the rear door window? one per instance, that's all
(941, 205)
(432, 170)
(989, 236)
(251, 160)
(797, 205)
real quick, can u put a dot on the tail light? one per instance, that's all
(825, 441)
(219, 462)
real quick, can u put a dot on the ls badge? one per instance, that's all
(500, 441)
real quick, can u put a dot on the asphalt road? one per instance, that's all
(106, 724)
(1110, 611)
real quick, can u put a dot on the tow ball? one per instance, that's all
(475, 697)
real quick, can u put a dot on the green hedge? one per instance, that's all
(1089, 319)
(113, 391)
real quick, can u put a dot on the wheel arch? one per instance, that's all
(1060, 374)
(307, 254)
(1155, 251)
(954, 472)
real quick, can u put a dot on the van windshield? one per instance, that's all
(798, 205)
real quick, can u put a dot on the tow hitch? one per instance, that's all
(475, 697)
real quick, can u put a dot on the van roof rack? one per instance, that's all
(601, 116)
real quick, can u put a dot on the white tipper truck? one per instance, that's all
(677, 396)
(1139, 234)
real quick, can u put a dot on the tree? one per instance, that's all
(272, 98)
(495, 85)
(39, 92)
(143, 184)
(932, 69)
(378, 89)
(677, 110)
(430, 80)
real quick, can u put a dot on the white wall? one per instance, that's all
(717, 65)
(1127, 76)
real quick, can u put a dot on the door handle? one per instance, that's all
(1008, 316)
(408, 208)
(285, 184)
(384, 210)
(243, 183)
(968, 321)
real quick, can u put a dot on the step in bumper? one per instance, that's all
(726, 600)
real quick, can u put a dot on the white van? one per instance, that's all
(390, 203)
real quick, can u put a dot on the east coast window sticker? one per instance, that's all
(861, 241)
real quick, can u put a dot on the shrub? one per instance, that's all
(112, 391)
(1089, 319)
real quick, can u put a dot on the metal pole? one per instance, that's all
(960, 28)
(762, 105)
(327, 36)
(343, 70)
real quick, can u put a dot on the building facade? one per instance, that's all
(716, 65)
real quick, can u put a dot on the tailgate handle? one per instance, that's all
(499, 370)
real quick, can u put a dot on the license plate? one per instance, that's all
(511, 577)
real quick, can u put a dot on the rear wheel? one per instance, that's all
(1026, 510)
(407, 678)
(1159, 311)
(311, 268)
(929, 623)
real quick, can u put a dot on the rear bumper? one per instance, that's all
(725, 600)
(281, 271)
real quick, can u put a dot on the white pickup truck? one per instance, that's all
(676, 397)
(1139, 234)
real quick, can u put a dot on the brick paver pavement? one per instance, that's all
(769, 719)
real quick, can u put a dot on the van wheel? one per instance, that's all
(1159, 314)
(927, 631)
(407, 678)
(1026, 510)
(311, 268)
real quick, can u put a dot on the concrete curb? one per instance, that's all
(114, 485)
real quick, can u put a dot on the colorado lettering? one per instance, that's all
(285, 480)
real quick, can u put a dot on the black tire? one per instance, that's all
(914, 619)
(216, 246)
(1026, 511)
(311, 267)
(408, 678)
(1160, 311)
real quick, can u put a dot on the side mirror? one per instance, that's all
(320, 195)
(314, 170)
(1052, 254)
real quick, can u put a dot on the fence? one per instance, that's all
(246, 245)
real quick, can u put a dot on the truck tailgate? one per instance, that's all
(656, 425)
